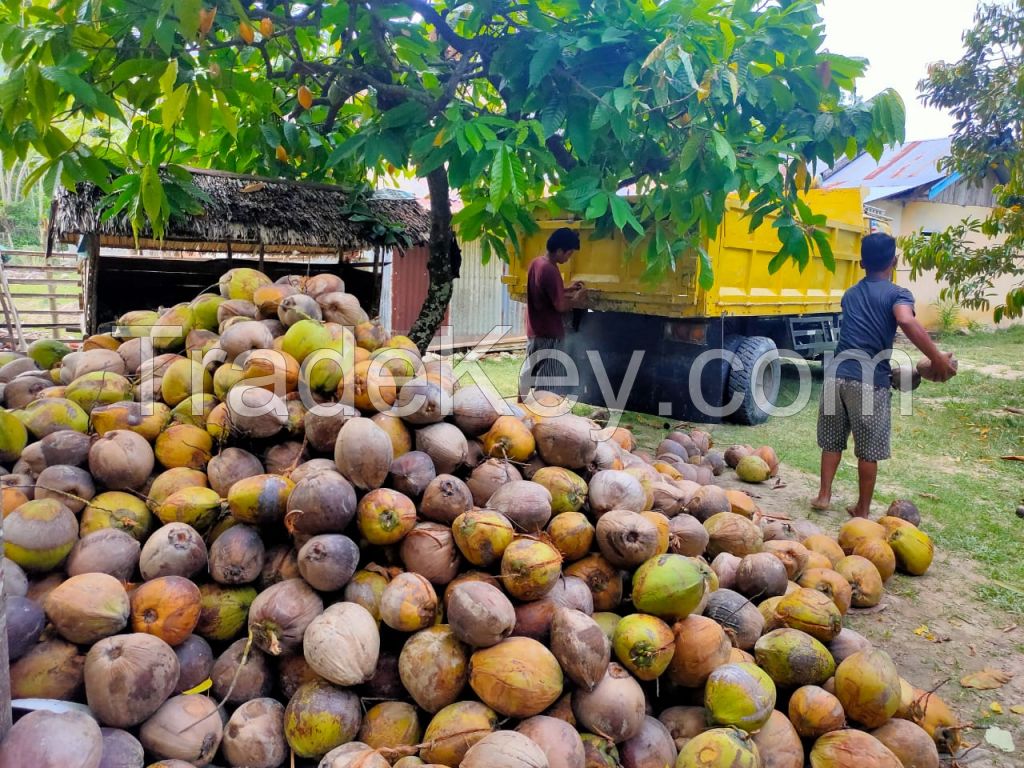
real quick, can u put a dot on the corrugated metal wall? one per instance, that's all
(479, 303)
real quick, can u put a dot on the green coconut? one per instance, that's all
(644, 645)
(182, 378)
(169, 331)
(794, 658)
(390, 725)
(98, 388)
(135, 324)
(670, 587)
(241, 283)
(13, 437)
(197, 506)
(320, 717)
(719, 748)
(119, 510)
(52, 414)
(741, 695)
(47, 352)
(39, 535)
(306, 337)
(913, 549)
(607, 621)
(868, 686)
(568, 490)
(260, 500)
(224, 611)
(753, 469)
(194, 410)
(812, 612)
(204, 310)
(454, 729)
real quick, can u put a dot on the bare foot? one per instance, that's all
(821, 503)
(856, 511)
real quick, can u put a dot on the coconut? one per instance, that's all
(580, 646)
(739, 695)
(236, 556)
(39, 535)
(50, 669)
(753, 469)
(847, 643)
(732, 533)
(856, 529)
(88, 607)
(668, 586)
(363, 453)
(851, 749)
(254, 736)
(66, 447)
(279, 615)
(626, 539)
(792, 554)
(195, 659)
(880, 554)
(518, 677)
(814, 712)
(930, 712)
(868, 686)
(913, 550)
(323, 503)
(910, 743)
(260, 500)
(48, 415)
(167, 607)
(173, 480)
(281, 563)
(810, 611)
(409, 603)
(534, 619)
(430, 550)
(25, 623)
(445, 498)
(529, 568)
(644, 645)
(740, 619)
(46, 739)
(121, 460)
(614, 709)
(313, 468)
(176, 549)
(572, 534)
(708, 501)
(778, 743)
(603, 579)
(71, 486)
(525, 503)
(454, 729)
(241, 673)
(128, 677)
(864, 580)
(121, 750)
(411, 473)
(482, 535)
(725, 567)
(390, 725)
(508, 438)
(320, 717)
(397, 431)
(186, 728)
(323, 423)
(599, 752)
(615, 489)
(566, 441)
(761, 575)
(558, 740)
(568, 490)
(652, 747)
(905, 510)
(829, 583)
(504, 749)
(793, 658)
(434, 667)
(701, 646)
(572, 592)
(15, 580)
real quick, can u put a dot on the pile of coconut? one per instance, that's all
(256, 530)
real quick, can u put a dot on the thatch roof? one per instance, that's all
(246, 211)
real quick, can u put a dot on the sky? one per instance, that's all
(900, 38)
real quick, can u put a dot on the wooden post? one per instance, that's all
(92, 277)
(5, 667)
(262, 253)
(54, 316)
(230, 255)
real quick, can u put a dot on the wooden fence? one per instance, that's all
(47, 293)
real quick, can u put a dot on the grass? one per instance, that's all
(946, 456)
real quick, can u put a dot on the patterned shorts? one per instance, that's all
(849, 405)
(541, 371)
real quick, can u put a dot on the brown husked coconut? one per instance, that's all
(445, 498)
(363, 453)
(779, 744)
(580, 646)
(847, 643)
(558, 740)
(254, 412)
(342, 644)
(341, 308)
(107, 551)
(355, 754)
(909, 742)
(66, 447)
(445, 444)
(322, 424)
(185, 728)
(761, 575)
(685, 722)
(603, 579)
(792, 554)
(615, 490)
(323, 503)
(614, 709)
(687, 536)
(409, 603)
(313, 468)
(739, 617)
(51, 669)
(279, 615)
(852, 749)
(710, 500)
(53, 740)
(434, 667)
(411, 473)
(518, 677)
(195, 659)
(475, 409)
(479, 614)
(566, 441)
(176, 549)
(25, 623)
(88, 607)
(702, 645)
(239, 675)
(732, 533)
(254, 735)
(652, 747)
(505, 749)
(626, 539)
(71, 486)
(128, 677)
(525, 503)
(121, 460)
(429, 550)
(237, 555)
(328, 561)
(121, 749)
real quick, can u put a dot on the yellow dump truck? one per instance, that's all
(709, 354)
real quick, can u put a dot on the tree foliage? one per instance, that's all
(983, 92)
(515, 105)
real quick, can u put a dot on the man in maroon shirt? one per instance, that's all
(547, 302)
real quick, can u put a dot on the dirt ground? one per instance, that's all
(933, 627)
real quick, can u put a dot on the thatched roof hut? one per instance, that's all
(247, 212)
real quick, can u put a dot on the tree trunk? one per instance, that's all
(439, 263)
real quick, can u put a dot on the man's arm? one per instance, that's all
(919, 337)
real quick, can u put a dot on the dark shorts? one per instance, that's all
(852, 406)
(541, 371)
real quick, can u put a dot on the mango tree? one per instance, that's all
(512, 106)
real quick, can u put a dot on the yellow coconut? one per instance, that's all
(913, 550)
(184, 445)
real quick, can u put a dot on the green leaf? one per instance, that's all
(620, 210)
(152, 192)
(622, 98)
(598, 206)
(578, 128)
(688, 68)
(501, 176)
(724, 150)
(291, 135)
(169, 78)
(187, 12)
(172, 107)
(690, 151)
(553, 114)
(706, 276)
(227, 115)
(544, 60)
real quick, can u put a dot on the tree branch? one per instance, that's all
(556, 146)
(425, 9)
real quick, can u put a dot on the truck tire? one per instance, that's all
(760, 372)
